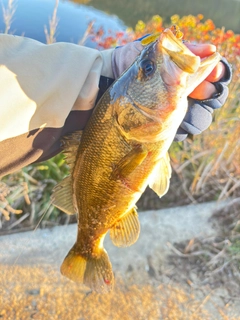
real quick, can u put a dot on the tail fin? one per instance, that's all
(94, 272)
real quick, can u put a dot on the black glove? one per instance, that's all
(199, 115)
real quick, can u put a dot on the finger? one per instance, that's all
(205, 90)
(217, 73)
(201, 49)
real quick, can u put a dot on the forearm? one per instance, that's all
(45, 91)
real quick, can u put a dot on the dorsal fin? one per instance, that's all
(149, 39)
(62, 196)
(70, 144)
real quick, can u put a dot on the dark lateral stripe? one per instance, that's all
(39, 144)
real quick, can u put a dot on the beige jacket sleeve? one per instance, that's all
(44, 89)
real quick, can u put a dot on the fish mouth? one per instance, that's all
(178, 52)
(174, 50)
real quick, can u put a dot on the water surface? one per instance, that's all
(31, 16)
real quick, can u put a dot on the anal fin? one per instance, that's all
(126, 231)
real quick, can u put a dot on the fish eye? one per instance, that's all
(148, 67)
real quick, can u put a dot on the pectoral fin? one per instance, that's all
(160, 177)
(130, 162)
(126, 231)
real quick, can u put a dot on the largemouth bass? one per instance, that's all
(122, 150)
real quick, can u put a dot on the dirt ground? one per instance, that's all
(162, 276)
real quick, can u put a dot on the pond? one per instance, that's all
(74, 15)
(31, 16)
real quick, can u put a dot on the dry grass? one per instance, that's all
(89, 31)
(213, 261)
(53, 23)
(8, 14)
(29, 190)
(41, 293)
(208, 165)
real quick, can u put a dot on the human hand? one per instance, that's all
(211, 94)
(206, 89)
